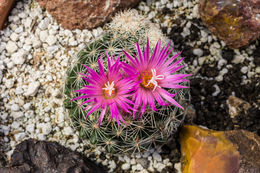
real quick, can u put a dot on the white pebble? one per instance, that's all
(51, 40)
(244, 69)
(201, 60)
(125, 166)
(139, 167)
(19, 90)
(14, 36)
(157, 157)
(221, 63)
(19, 30)
(32, 88)
(18, 57)
(177, 166)
(112, 165)
(257, 70)
(44, 24)
(15, 125)
(11, 47)
(9, 83)
(19, 136)
(17, 115)
(198, 52)
(30, 128)
(5, 129)
(27, 106)
(217, 90)
(43, 35)
(67, 131)
(41, 136)
(238, 59)
(15, 107)
(46, 128)
(159, 166)
(219, 78)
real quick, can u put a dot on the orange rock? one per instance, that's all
(208, 151)
(5, 6)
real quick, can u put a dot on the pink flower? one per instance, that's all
(154, 74)
(108, 91)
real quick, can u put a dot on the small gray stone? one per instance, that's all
(198, 52)
(244, 69)
(157, 157)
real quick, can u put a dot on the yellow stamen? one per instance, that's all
(149, 79)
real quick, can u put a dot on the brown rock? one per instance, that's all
(235, 22)
(236, 106)
(48, 157)
(209, 151)
(84, 14)
(5, 6)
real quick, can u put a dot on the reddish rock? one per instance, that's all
(84, 14)
(236, 22)
(5, 6)
(209, 151)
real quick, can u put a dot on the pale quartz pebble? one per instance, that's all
(257, 70)
(18, 58)
(9, 83)
(51, 40)
(30, 128)
(46, 128)
(19, 136)
(15, 125)
(198, 52)
(11, 47)
(27, 106)
(32, 88)
(15, 107)
(17, 115)
(68, 131)
(43, 35)
(157, 157)
(41, 137)
(14, 36)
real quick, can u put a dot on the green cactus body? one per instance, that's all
(154, 128)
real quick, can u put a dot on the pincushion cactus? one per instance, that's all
(155, 126)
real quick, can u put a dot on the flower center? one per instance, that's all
(109, 90)
(149, 79)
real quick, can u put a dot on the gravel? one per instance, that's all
(35, 54)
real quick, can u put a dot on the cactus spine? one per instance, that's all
(153, 128)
